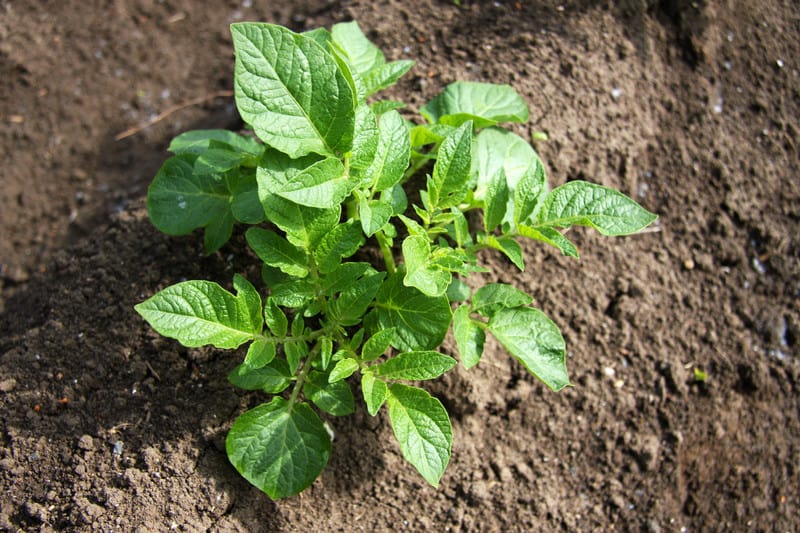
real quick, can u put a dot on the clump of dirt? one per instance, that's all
(682, 341)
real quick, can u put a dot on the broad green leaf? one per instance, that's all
(496, 200)
(366, 138)
(529, 193)
(345, 276)
(343, 369)
(179, 202)
(430, 280)
(197, 313)
(578, 203)
(535, 341)
(279, 447)
(386, 75)
(218, 161)
(275, 318)
(245, 204)
(374, 391)
(259, 353)
(382, 106)
(321, 35)
(292, 91)
(250, 300)
(324, 184)
(509, 247)
(353, 302)
(273, 378)
(374, 214)
(485, 104)
(469, 336)
(492, 297)
(198, 141)
(277, 252)
(334, 398)
(422, 428)
(294, 293)
(451, 172)
(218, 232)
(361, 54)
(295, 352)
(425, 134)
(421, 322)
(377, 345)
(414, 366)
(458, 291)
(496, 148)
(342, 241)
(550, 236)
(393, 153)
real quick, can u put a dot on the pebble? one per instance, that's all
(8, 385)
(86, 443)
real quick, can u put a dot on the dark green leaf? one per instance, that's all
(275, 318)
(377, 345)
(245, 205)
(415, 366)
(495, 296)
(259, 353)
(509, 247)
(458, 291)
(218, 232)
(198, 141)
(343, 369)
(451, 172)
(277, 252)
(218, 161)
(496, 201)
(279, 447)
(342, 241)
(550, 236)
(273, 378)
(353, 302)
(334, 398)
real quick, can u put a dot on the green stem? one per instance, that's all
(301, 378)
(386, 250)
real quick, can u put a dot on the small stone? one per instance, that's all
(688, 264)
(86, 443)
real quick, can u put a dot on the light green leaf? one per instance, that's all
(497, 148)
(250, 300)
(259, 353)
(374, 215)
(377, 345)
(375, 392)
(421, 322)
(325, 351)
(295, 352)
(323, 184)
(496, 200)
(393, 153)
(343, 369)
(292, 91)
(277, 252)
(529, 192)
(334, 398)
(382, 106)
(218, 161)
(460, 228)
(550, 236)
(469, 337)
(492, 297)
(198, 141)
(367, 136)
(458, 291)
(578, 203)
(273, 378)
(451, 172)
(342, 241)
(535, 341)
(415, 366)
(353, 302)
(279, 447)
(485, 104)
(508, 246)
(344, 277)
(275, 318)
(294, 293)
(197, 313)
(361, 54)
(422, 428)
(386, 75)
(430, 280)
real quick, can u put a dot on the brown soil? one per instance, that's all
(690, 107)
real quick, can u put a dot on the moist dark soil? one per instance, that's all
(683, 341)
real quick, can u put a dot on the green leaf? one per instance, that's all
(496, 148)
(460, 228)
(496, 200)
(451, 172)
(250, 300)
(430, 280)
(492, 297)
(325, 351)
(508, 246)
(334, 398)
(361, 54)
(342, 241)
(393, 153)
(535, 341)
(353, 302)
(485, 104)
(277, 252)
(259, 353)
(374, 215)
(273, 378)
(377, 345)
(324, 184)
(345, 276)
(469, 336)
(279, 447)
(550, 236)
(422, 428)
(578, 203)
(295, 351)
(343, 369)
(421, 322)
(198, 141)
(375, 392)
(218, 232)
(197, 313)
(178, 201)
(529, 192)
(245, 204)
(382, 106)
(218, 161)
(458, 291)
(367, 136)
(292, 91)
(415, 366)
(275, 318)
(386, 75)
(294, 293)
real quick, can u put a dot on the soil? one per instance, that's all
(690, 107)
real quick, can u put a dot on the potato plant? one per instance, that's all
(329, 170)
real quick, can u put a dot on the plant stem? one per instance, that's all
(301, 378)
(386, 250)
